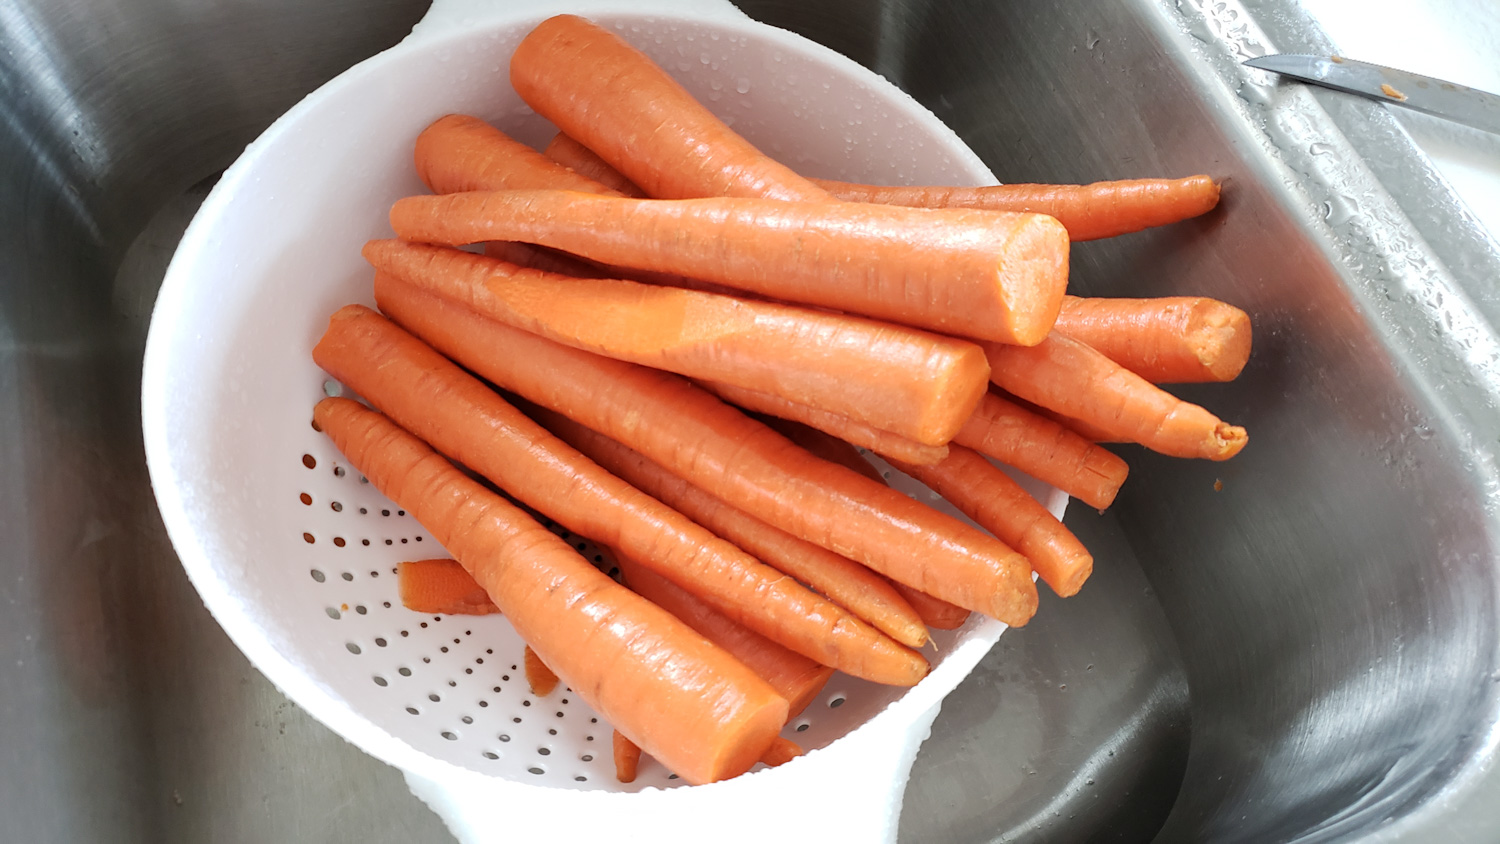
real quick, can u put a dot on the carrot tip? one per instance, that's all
(1230, 440)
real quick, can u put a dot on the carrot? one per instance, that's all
(934, 612)
(725, 453)
(913, 383)
(701, 712)
(984, 274)
(1066, 376)
(466, 420)
(1170, 340)
(538, 676)
(859, 433)
(616, 101)
(845, 582)
(462, 153)
(1045, 450)
(541, 258)
(792, 675)
(441, 586)
(999, 504)
(584, 161)
(1090, 212)
(781, 752)
(1092, 433)
(627, 758)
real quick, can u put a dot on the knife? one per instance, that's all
(1386, 84)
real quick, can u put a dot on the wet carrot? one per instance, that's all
(627, 758)
(463, 418)
(700, 711)
(584, 161)
(462, 153)
(1170, 340)
(720, 450)
(983, 274)
(780, 752)
(441, 586)
(1090, 212)
(607, 94)
(859, 433)
(997, 503)
(1045, 450)
(845, 582)
(913, 383)
(1069, 377)
(538, 676)
(934, 612)
(792, 675)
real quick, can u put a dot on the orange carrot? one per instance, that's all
(792, 675)
(538, 676)
(701, 712)
(461, 153)
(910, 382)
(1092, 433)
(1090, 212)
(441, 586)
(1045, 450)
(851, 430)
(1071, 378)
(617, 102)
(627, 758)
(1171, 340)
(729, 455)
(781, 752)
(542, 258)
(466, 420)
(934, 612)
(999, 504)
(845, 582)
(984, 274)
(584, 161)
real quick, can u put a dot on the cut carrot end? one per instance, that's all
(1230, 440)
(1038, 262)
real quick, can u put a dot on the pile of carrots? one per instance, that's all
(685, 345)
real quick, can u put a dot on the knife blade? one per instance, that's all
(1447, 100)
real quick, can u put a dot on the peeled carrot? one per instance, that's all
(701, 712)
(910, 382)
(466, 420)
(859, 433)
(541, 258)
(611, 97)
(462, 153)
(1071, 378)
(538, 676)
(781, 752)
(792, 675)
(845, 582)
(1045, 450)
(441, 586)
(999, 504)
(627, 758)
(584, 161)
(984, 274)
(1090, 212)
(731, 456)
(1170, 340)
(934, 612)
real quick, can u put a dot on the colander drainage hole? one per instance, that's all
(467, 719)
(308, 538)
(671, 776)
(516, 720)
(404, 671)
(305, 499)
(333, 389)
(836, 702)
(352, 648)
(336, 507)
(544, 751)
(413, 710)
(318, 575)
(434, 697)
(552, 732)
(580, 779)
(504, 737)
(380, 643)
(338, 541)
(802, 727)
(449, 735)
(490, 754)
(380, 681)
(484, 704)
(364, 511)
(333, 613)
(347, 576)
(537, 769)
(338, 471)
(309, 461)
(587, 757)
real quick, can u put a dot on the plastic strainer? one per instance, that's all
(294, 553)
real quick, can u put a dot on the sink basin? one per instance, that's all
(1297, 645)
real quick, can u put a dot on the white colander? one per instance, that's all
(294, 553)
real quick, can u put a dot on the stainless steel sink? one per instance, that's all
(1307, 654)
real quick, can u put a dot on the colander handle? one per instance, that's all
(448, 15)
(848, 792)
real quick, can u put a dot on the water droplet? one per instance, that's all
(742, 85)
(1321, 148)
